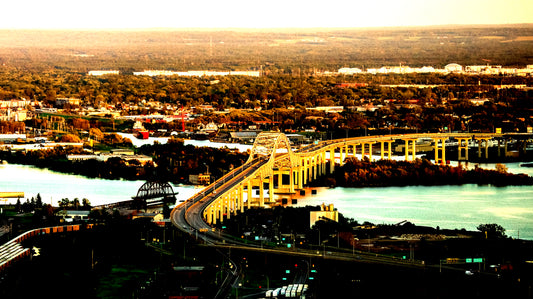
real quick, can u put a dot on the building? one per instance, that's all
(200, 179)
(101, 73)
(197, 73)
(328, 109)
(70, 101)
(243, 136)
(70, 216)
(453, 68)
(349, 71)
(142, 159)
(326, 212)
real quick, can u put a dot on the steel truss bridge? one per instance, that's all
(275, 168)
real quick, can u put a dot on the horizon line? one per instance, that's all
(262, 28)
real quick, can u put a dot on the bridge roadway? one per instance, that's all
(193, 217)
(189, 215)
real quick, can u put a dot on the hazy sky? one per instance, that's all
(52, 14)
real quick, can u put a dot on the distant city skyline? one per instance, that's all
(135, 14)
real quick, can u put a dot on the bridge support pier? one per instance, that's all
(315, 167)
(305, 168)
(331, 160)
(480, 141)
(504, 147)
(363, 148)
(270, 189)
(241, 198)
(463, 148)
(387, 151)
(249, 195)
(411, 149)
(440, 146)
(261, 194)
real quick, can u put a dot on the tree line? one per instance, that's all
(383, 173)
(172, 162)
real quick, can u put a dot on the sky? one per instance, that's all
(135, 14)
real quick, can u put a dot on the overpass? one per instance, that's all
(275, 168)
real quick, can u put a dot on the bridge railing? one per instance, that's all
(13, 251)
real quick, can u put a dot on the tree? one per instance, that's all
(76, 203)
(69, 138)
(38, 201)
(86, 203)
(64, 203)
(492, 230)
(18, 205)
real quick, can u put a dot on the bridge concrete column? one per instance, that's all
(364, 144)
(227, 203)
(318, 163)
(387, 151)
(241, 198)
(261, 195)
(305, 170)
(331, 160)
(504, 147)
(212, 216)
(354, 148)
(324, 162)
(271, 188)
(291, 180)
(315, 167)
(442, 149)
(463, 148)
(215, 213)
(345, 150)
(299, 177)
(411, 150)
(207, 216)
(480, 141)
(249, 190)
(220, 210)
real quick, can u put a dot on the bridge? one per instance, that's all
(275, 168)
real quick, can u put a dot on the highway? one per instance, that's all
(188, 216)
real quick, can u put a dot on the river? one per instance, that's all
(448, 207)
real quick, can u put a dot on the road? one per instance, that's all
(188, 216)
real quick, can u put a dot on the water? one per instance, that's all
(54, 186)
(448, 207)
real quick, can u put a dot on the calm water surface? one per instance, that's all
(449, 207)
